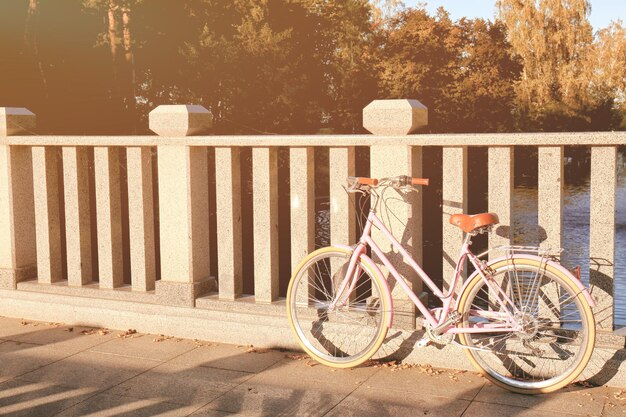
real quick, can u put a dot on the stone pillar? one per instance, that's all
(602, 233)
(394, 117)
(183, 204)
(18, 253)
(141, 218)
(399, 117)
(405, 223)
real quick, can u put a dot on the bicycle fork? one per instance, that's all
(351, 278)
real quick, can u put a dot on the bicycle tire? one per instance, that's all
(349, 335)
(558, 337)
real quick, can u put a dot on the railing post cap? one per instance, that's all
(16, 120)
(180, 120)
(394, 117)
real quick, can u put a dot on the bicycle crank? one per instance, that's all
(436, 335)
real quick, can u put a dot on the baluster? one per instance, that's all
(302, 182)
(342, 214)
(47, 214)
(141, 218)
(602, 233)
(77, 215)
(501, 177)
(550, 204)
(229, 232)
(265, 220)
(454, 201)
(109, 216)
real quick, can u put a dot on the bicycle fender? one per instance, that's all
(555, 265)
(376, 270)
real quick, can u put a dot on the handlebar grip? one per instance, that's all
(367, 181)
(420, 181)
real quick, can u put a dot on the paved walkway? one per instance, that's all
(55, 370)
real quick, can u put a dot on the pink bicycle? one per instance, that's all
(523, 319)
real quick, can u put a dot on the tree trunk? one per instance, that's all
(30, 41)
(113, 44)
(129, 96)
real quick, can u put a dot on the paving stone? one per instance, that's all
(424, 379)
(208, 412)
(572, 399)
(182, 385)
(91, 369)
(368, 401)
(11, 328)
(615, 405)
(113, 405)
(146, 346)
(66, 338)
(306, 373)
(244, 358)
(265, 400)
(17, 358)
(480, 409)
(19, 397)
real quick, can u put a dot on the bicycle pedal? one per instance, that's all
(423, 342)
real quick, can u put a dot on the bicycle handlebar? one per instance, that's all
(400, 181)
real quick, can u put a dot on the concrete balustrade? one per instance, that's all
(62, 217)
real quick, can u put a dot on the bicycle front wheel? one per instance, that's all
(557, 332)
(348, 333)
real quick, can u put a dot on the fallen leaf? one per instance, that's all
(253, 349)
(161, 338)
(127, 333)
(297, 357)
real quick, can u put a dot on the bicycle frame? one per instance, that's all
(509, 324)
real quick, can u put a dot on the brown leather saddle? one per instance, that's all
(469, 223)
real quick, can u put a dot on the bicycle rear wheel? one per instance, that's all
(348, 334)
(558, 328)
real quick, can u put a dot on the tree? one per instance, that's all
(605, 71)
(119, 36)
(462, 71)
(482, 94)
(551, 37)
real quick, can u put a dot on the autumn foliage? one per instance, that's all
(305, 66)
